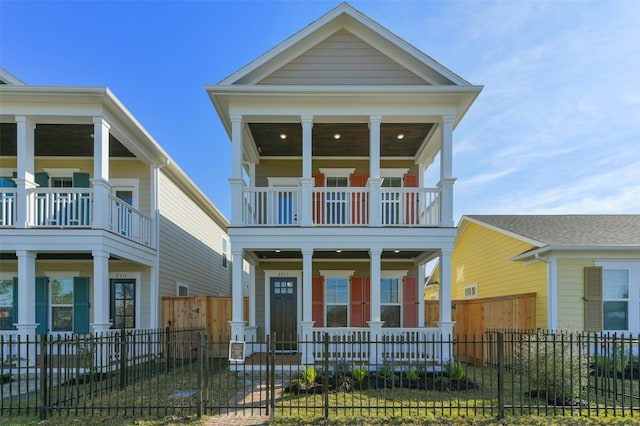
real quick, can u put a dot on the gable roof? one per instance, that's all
(564, 232)
(346, 19)
(9, 79)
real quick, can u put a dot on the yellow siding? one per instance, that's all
(571, 292)
(483, 256)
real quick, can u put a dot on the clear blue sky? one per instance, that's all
(555, 130)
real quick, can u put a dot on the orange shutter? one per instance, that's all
(318, 200)
(317, 300)
(367, 300)
(357, 301)
(410, 302)
(411, 214)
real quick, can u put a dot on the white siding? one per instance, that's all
(343, 59)
(190, 245)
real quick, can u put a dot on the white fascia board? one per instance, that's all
(505, 232)
(573, 251)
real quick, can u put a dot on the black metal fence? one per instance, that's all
(153, 373)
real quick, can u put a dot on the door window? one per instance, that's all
(123, 303)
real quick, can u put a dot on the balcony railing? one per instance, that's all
(66, 208)
(350, 206)
(129, 222)
(74, 208)
(7, 208)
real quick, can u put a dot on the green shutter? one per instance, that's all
(42, 305)
(42, 179)
(81, 305)
(16, 302)
(80, 180)
(593, 298)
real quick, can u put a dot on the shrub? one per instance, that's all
(555, 364)
(308, 374)
(412, 376)
(455, 370)
(359, 373)
(386, 372)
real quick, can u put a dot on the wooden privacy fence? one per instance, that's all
(211, 313)
(475, 316)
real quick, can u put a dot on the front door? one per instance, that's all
(284, 312)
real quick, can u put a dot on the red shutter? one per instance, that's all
(358, 200)
(357, 301)
(367, 300)
(411, 181)
(410, 302)
(318, 200)
(317, 300)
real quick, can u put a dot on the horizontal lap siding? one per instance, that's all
(571, 291)
(483, 256)
(190, 246)
(343, 59)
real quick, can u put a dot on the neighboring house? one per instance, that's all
(584, 269)
(332, 133)
(96, 221)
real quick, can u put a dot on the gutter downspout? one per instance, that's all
(155, 275)
(552, 292)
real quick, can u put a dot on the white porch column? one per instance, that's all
(100, 182)
(445, 324)
(375, 325)
(26, 321)
(307, 321)
(25, 173)
(306, 183)
(236, 180)
(446, 172)
(237, 313)
(375, 181)
(421, 280)
(101, 320)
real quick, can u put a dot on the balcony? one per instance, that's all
(348, 206)
(73, 208)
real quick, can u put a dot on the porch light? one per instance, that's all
(278, 250)
(400, 136)
(283, 136)
(396, 251)
(337, 136)
(338, 251)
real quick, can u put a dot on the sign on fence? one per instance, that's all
(236, 351)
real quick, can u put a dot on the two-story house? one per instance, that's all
(333, 132)
(96, 221)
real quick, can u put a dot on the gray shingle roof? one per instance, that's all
(570, 230)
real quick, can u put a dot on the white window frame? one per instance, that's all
(60, 173)
(473, 291)
(224, 250)
(180, 284)
(59, 275)
(336, 275)
(633, 299)
(9, 276)
(395, 275)
(127, 184)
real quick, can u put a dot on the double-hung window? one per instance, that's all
(6, 304)
(621, 296)
(390, 302)
(337, 302)
(62, 304)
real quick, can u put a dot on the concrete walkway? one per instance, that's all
(248, 407)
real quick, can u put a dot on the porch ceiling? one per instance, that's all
(353, 141)
(404, 255)
(59, 140)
